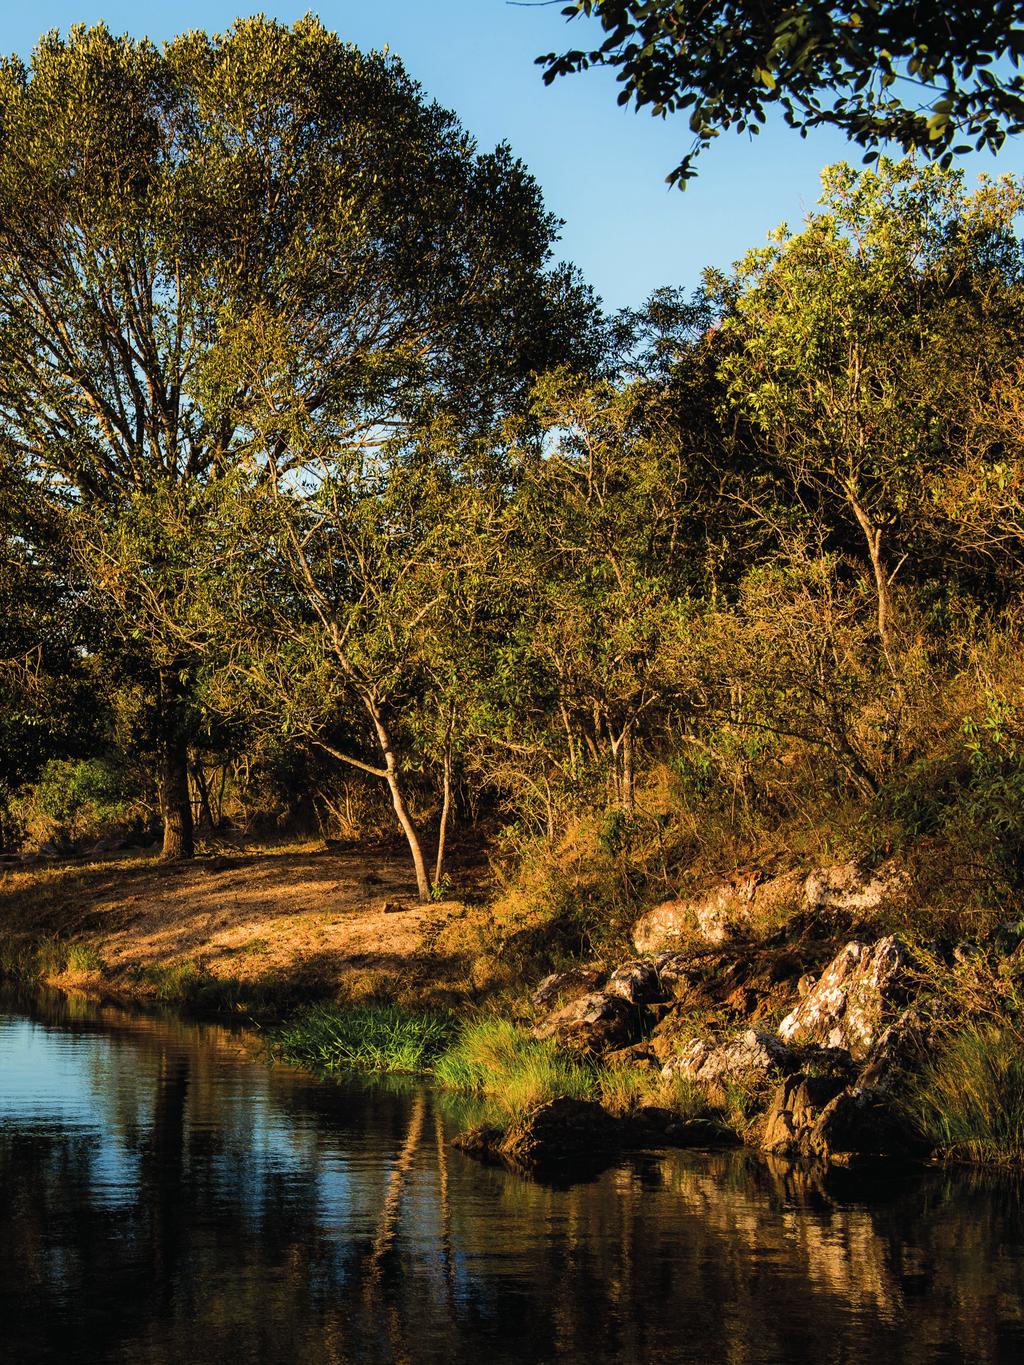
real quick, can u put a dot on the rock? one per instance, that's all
(554, 1134)
(711, 919)
(637, 982)
(751, 1055)
(848, 1006)
(639, 1056)
(654, 1126)
(750, 901)
(597, 1022)
(846, 886)
(563, 985)
(795, 1108)
(859, 1124)
(903, 1045)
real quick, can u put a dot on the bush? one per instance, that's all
(81, 798)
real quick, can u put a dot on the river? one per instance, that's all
(168, 1196)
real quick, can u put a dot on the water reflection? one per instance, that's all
(164, 1196)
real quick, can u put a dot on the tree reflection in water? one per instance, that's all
(164, 1196)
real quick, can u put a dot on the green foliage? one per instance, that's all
(84, 795)
(845, 65)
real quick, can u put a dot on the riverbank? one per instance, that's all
(253, 931)
(815, 1015)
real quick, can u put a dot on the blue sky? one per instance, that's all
(602, 168)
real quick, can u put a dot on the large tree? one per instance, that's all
(216, 255)
(933, 77)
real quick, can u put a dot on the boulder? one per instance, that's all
(848, 887)
(565, 985)
(850, 1005)
(795, 1109)
(862, 1123)
(552, 1135)
(636, 982)
(597, 1022)
(904, 1045)
(711, 919)
(750, 901)
(750, 1056)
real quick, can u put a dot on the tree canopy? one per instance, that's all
(226, 257)
(935, 78)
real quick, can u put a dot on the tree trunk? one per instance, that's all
(873, 536)
(398, 799)
(627, 768)
(206, 820)
(175, 802)
(446, 805)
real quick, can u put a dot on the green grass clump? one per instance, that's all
(969, 1101)
(500, 1060)
(38, 961)
(365, 1038)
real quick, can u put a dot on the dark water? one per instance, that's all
(166, 1197)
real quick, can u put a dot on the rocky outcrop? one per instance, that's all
(636, 982)
(749, 1056)
(860, 1124)
(710, 919)
(852, 1003)
(824, 1119)
(795, 1109)
(750, 902)
(563, 986)
(597, 1022)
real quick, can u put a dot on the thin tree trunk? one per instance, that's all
(206, 820)
(446, 804)
(398, 799)
(627, 768)
(873, 536)
(175, 802)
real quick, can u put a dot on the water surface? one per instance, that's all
(166, 1196)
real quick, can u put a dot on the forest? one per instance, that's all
(333, 507)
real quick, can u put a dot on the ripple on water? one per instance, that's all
(166, 1196)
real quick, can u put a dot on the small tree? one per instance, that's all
(852, 345)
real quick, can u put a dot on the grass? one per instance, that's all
(50, 958)
(498, 1060)
(969, 1101)
(365, 1038)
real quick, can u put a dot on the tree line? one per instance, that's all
(318, 471)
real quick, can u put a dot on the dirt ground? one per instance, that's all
(343, 923)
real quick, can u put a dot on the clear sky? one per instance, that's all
(602, 168)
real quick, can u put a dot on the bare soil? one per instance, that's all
(339, 923)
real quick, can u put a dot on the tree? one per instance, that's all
(218, 255)
(925, 76)
(855, 342)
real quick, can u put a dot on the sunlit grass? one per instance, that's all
(500, 1060)
(365, 1038)
(969, 1101)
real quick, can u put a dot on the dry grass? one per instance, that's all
(256, 920)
